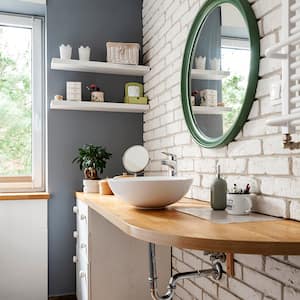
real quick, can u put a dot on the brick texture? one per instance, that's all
(257, 155)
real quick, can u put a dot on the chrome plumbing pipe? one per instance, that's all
(216, 272)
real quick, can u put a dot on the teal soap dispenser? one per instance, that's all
(218, 192)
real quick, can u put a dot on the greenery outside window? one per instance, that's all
(22, 109)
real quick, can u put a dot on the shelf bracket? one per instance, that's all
(215, 272)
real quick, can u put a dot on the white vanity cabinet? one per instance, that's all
(82, 258)
(111, 265)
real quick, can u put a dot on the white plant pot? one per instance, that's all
(90, 186)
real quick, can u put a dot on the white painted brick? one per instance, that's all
(254, 113)
(296, 166)
(193, 289)
(209, 286)
(242, 290)
(229, 165)
(295, 210)
(244, 148)
(281, 186)
(254, 261)
(191, 151)
(268, 22)
(257, 149)
(225, 295)
(201, 193)
(295, 260)
(258, 128)
(290, 294)
(276, 207)
(269, 165)
(269, 65)
(207, 297)
(266, 285)
(263, 86)
(262, 7)
(185, 165)
(283, 272)
(192, 260)
(217, 152)
(178, 253)
(205, 165)
(182, 138)
(182, 293)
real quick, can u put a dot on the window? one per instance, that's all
(22, 145)
(235, 53)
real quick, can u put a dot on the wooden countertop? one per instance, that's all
(169, 227)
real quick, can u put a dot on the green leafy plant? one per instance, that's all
(92, 159)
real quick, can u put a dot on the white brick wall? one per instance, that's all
(256, 156)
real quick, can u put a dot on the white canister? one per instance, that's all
(90, 186)
(74, 91)
(84, 53)
(215, 64)
(239, 204)
(200, 62)
(209, 97)
(97, 96)
(65, 51)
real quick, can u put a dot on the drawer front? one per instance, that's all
(82, 275)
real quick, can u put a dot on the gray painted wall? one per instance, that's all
(92, 23)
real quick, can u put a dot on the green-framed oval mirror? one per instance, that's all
(220, 71)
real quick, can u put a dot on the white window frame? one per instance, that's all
(35, 182)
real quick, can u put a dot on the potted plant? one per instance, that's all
(91, 159)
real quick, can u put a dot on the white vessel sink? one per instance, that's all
(150, 192)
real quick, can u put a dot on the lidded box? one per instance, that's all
(123, 53)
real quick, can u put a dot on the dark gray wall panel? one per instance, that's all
(91, 23)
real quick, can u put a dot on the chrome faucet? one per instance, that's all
(171, 162)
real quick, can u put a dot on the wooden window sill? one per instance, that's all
(24, 196)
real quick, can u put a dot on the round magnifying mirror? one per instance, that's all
(135, 159)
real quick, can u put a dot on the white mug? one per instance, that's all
(239, 204)
(84, 53)
(200, 62)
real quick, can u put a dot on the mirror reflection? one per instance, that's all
(220, 70)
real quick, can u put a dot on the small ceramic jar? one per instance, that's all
(97, 96)
(84, 53)
(209, 97)
(65, 51)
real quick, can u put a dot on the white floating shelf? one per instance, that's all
(99, 106)
(209, 74)
(209, 110)
(98, 67)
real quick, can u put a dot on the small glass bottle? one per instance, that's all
(218, 193)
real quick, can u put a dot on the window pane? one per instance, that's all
(15, 101)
